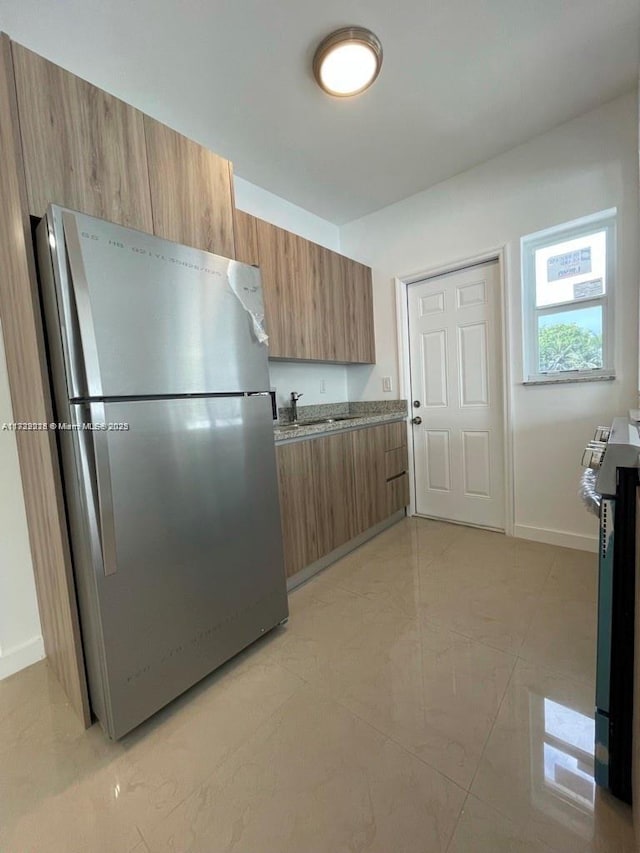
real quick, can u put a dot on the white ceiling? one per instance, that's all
(462, 81)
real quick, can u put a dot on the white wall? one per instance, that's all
(304, 377)
(307, 379)
(20, 635)
(264, 204)
(583, 166)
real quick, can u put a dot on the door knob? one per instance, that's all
(417, 420)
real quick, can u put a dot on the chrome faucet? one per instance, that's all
(294, 405)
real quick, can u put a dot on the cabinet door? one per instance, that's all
(288, 269)
(347, 308)
(82, 148)
(280, 304)
(246, 238)
(333, 477)
(359, 313)
(318, 304)
(333, 305)
(370, 482)
(297, 505)
(191, 193)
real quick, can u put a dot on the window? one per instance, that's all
(568, 281)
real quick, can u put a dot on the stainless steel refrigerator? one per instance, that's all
(163, 414)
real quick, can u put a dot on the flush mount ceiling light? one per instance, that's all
(347, 61)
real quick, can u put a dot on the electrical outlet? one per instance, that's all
(387, 385)
(323, 387)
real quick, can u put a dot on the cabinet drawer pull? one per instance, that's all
(395, 462)
(397, 493)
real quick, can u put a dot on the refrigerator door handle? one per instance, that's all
(80, 288)
(93, 449)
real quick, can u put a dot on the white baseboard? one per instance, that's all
(556, 537)
(19, 657)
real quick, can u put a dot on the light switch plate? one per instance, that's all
(323, 387)
(387, 385)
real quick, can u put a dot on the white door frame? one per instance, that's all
(402, 318)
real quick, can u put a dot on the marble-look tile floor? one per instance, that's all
(432, 691)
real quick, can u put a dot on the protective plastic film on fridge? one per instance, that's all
(159, 366)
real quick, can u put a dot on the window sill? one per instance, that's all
(565, 380)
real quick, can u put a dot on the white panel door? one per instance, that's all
(456, 382)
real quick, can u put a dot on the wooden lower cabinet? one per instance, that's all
(395, 435)
(397, 493)
(335, 487)
(298, 506)
(369, 450)
(333, 477)
(395, 462)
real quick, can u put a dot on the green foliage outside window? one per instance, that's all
(567, 346)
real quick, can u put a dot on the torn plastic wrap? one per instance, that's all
(587, 491)
(245, 285)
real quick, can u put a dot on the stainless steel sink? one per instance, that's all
(298, 424)
(326, 420)
(317, 421)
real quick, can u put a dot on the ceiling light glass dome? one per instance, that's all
(347, 61)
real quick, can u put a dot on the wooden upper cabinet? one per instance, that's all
(275, 289)
(332, 305)
(246, 238)
(350, 287)
(307, 327)
(290, 269)
(358, 296)
(191, 191)
(82, 148)
(318, 304)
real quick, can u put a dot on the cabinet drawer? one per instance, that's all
(395, 435)
(397, 493)
(395, 462)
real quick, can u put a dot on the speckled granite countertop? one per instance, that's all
(356, 415)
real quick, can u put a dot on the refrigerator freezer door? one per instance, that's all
(141, 316)
(179, 563)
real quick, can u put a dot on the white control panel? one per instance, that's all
(622, 451)
(595, 450)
